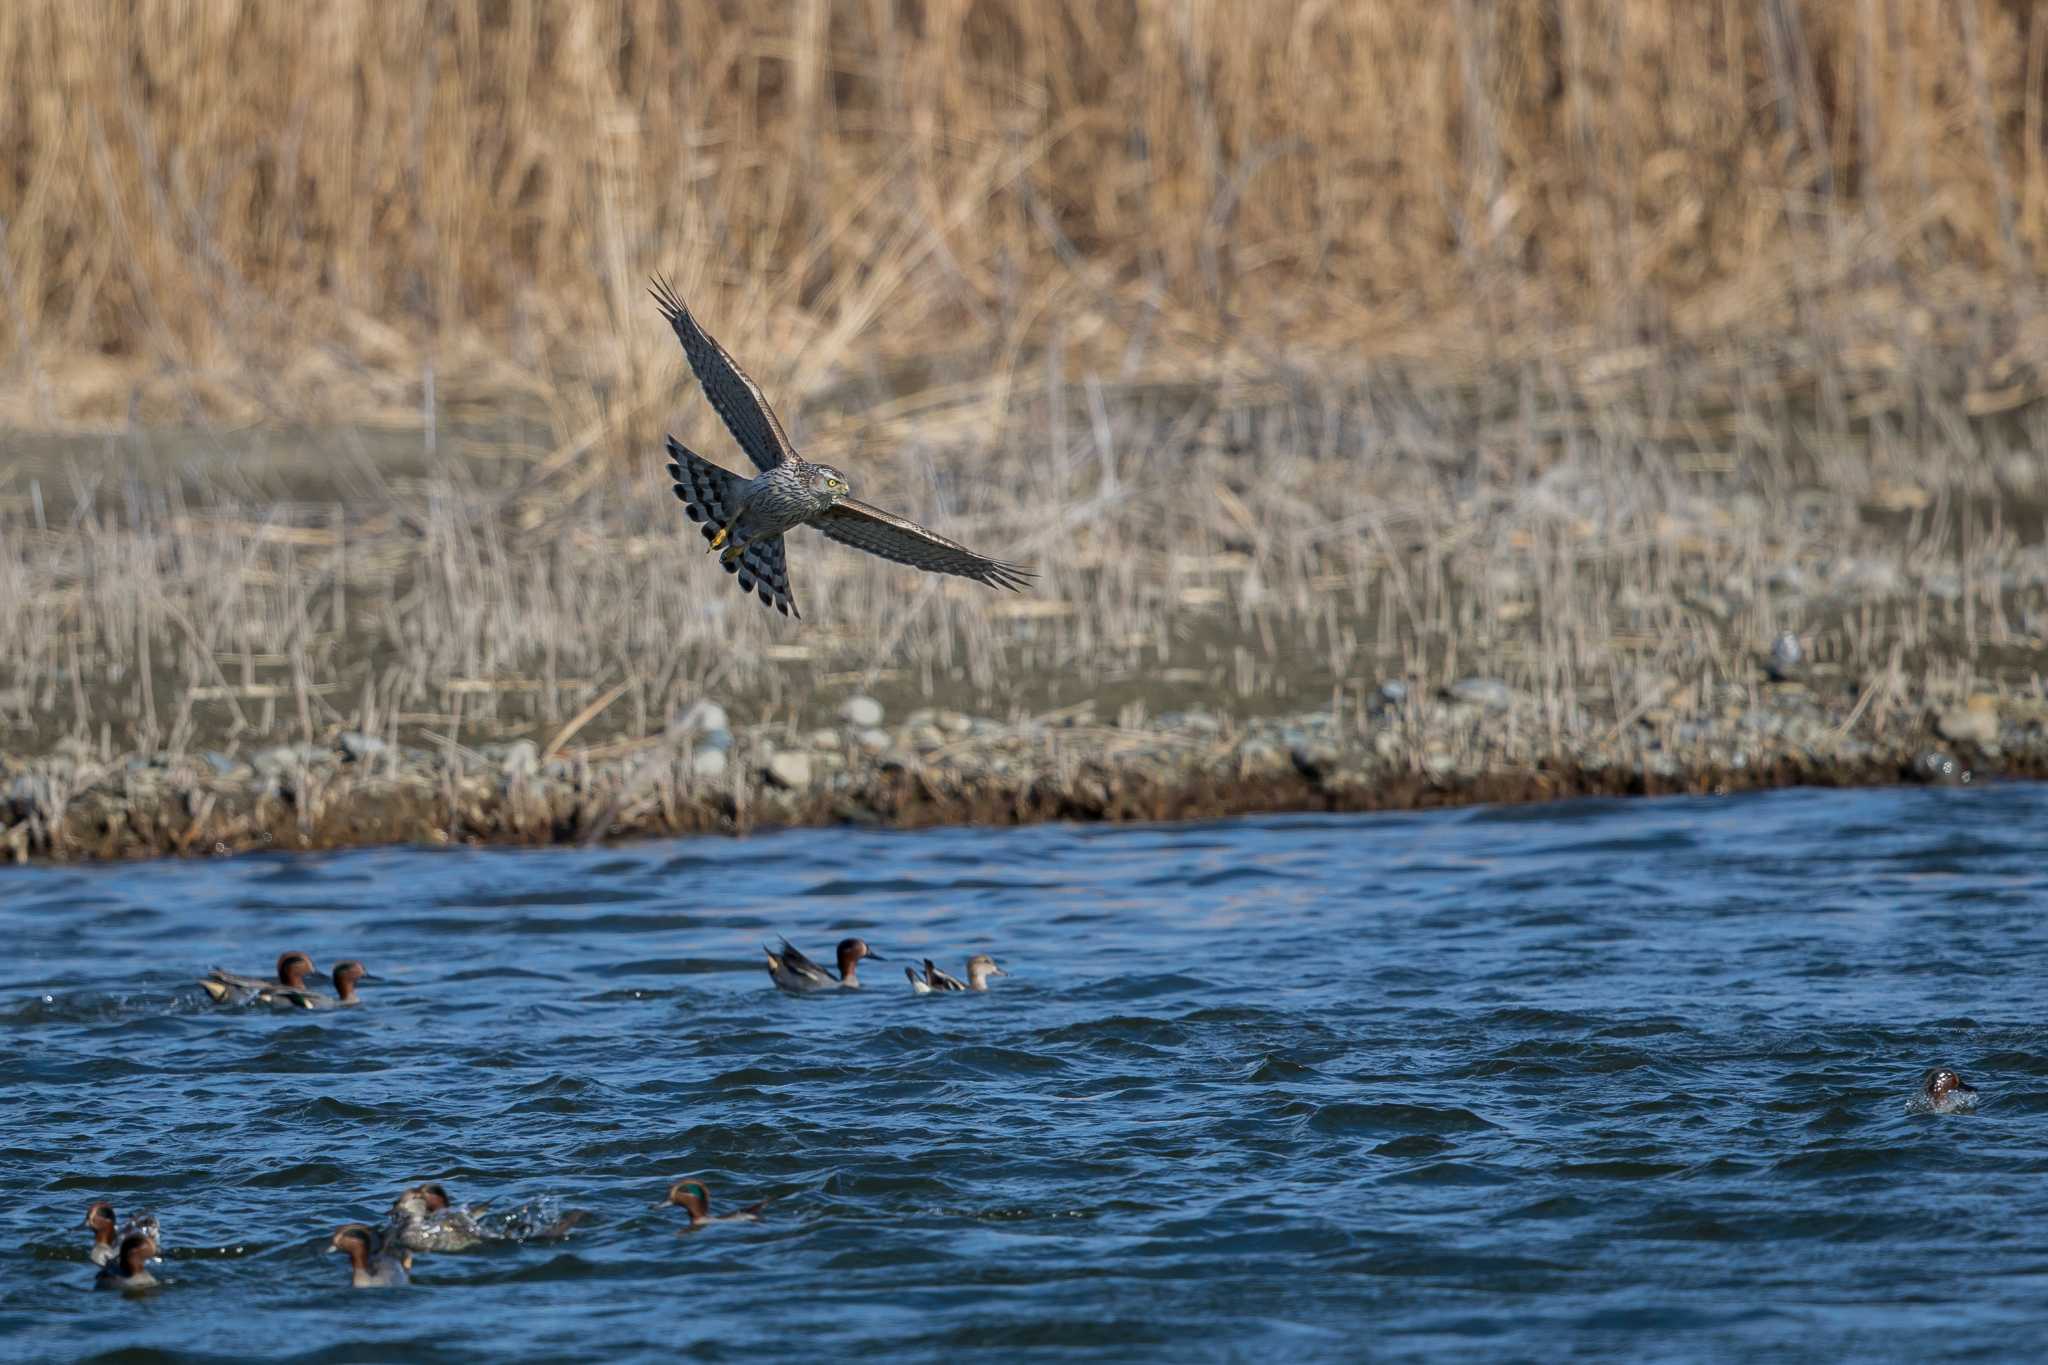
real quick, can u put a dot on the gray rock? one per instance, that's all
(357, 747)
(824, 739)
(874, 741)
(715, 739)
(1785, 658)
(274, 761)
(954, 723)
(700, 717)
(222, 765)
(1939, 769)
(790, 769)
(1490, 693)
(1967, 725)
(863, 713)
(522, 759)
(1392, 692)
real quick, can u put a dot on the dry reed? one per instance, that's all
(350, 210)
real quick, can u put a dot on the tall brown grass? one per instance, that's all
(232, 209)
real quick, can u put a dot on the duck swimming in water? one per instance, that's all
(370, 1265)
(345, 976)
(130, 1267)
(235, 989)
(1944, 1091)
(794, 972)
(980, 968)
(694, 1198)
(107, 1237)
(425, 1219)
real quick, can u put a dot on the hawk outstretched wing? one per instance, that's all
(736, 399)
(853, 522)
(709, 495)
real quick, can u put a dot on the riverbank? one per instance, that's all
(1393, 747)
(1404, 588)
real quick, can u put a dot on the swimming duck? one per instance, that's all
(980, 968)
(129, 1268)
(1945, 1091)
(425, 1219)
(694, 1198)
(370, 1265)
(345, 976)
(106, 1239)
(233, 988)
(796, 973)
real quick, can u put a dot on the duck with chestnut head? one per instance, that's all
(797, 974)
(1944, 1091)
(108, 1232)
(425, 1218)
(232, 988)
(129, 1270)
(345, 976)
(371, 1265)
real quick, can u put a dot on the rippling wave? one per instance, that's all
(1607, 1078)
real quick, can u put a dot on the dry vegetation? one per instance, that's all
(1581, 345)
(251, 210)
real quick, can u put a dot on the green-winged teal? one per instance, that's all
(129, 1269)
(693, 1197)
(796, 973)
(1944, 1091)
(371, 1266)
(108, 1233)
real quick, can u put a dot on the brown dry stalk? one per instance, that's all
(314, 211)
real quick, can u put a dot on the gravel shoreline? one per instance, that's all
(1392, 746)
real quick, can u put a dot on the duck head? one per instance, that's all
(980, 968)
(356, 1242)
(293, 969)
(693, 1197)
(346, 975)
(851, 951)
(137, 1250)
(1944, 1088)
(422, 1200)
(100, 1218)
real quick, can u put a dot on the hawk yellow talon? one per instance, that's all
(723, 532)
(734, 551)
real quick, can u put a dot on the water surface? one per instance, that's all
(1607, 1078)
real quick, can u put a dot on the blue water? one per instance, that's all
(1623, 1079)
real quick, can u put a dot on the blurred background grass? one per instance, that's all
(246, 211)
(1587, 345)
